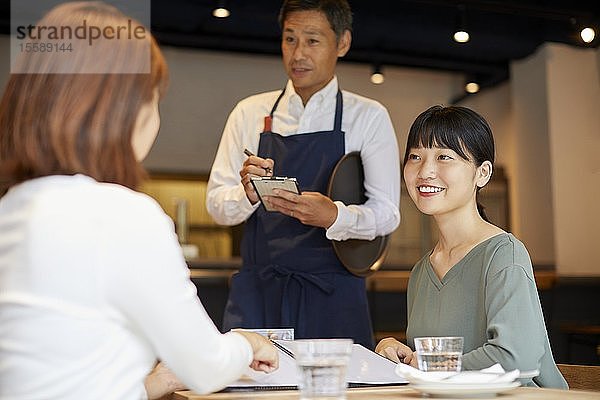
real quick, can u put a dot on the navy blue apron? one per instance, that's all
(291, 276)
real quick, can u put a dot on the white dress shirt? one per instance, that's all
(94, 288)
(367, 128)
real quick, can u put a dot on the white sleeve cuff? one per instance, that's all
(237, 207)
(342, 224)
(353, 222)
(244, 203)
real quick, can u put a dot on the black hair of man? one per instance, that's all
(338, 12)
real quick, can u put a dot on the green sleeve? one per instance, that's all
(515, 331)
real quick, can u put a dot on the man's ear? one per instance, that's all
(344, 43)
(484, 173)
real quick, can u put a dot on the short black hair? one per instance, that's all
(338, 12)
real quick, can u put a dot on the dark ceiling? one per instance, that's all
(393, 32)
(414, 33)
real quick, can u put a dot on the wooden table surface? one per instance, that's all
(400, 392)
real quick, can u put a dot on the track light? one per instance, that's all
(221, 10)
(460, 34)
(472, 87)
(587, 34)
(586, 30)
(377, 77)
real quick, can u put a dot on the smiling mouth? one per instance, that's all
(430, 189)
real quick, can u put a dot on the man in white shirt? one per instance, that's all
(291, 276)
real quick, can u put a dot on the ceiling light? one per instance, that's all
(585, 29)
(377, 77)
(221, 10)
(472, 87)
(460, 34)
(587, 34)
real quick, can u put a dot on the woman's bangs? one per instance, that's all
(433, 134)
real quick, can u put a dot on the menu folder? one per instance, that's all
(365, 369)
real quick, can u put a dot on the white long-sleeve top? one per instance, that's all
(367, 128)
(94, 288)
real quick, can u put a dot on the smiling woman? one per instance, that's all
(434, 148)
(478, 281)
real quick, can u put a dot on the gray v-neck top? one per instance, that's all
(490, 298)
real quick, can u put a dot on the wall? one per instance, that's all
(204, 87)
(555, 180)
(494, 104)
(574, 135)
(531, 185)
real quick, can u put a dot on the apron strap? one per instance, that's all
(276, 103)
(337, 126)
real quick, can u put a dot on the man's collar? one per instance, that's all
(330, 90)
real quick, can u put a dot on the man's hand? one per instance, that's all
(255, 166)
(310, 208)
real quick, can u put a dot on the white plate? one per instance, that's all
(529, 374)
(462, 390)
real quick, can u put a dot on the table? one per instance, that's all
(398, 392)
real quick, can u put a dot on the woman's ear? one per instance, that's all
(484, 173)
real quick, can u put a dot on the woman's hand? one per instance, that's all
(396, 351)
(266, 357)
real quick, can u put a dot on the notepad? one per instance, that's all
(365, 369)
(264, 186)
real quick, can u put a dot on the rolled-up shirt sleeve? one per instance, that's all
(380, 214)
(226, 200)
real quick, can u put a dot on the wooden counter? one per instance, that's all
(381, 281)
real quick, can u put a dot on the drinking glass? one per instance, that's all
(439, 353)
(322, 365)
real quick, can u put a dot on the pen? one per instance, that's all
(282, 348)
(250, 154)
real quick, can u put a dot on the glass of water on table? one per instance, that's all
(439, 353)
(322, 365)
